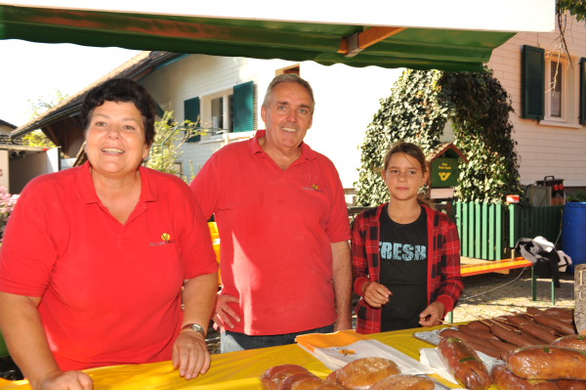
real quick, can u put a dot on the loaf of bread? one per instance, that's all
(301, 381)
(404, 382)
(547, 362)
(331, 386)
(463, 363)
(363, 373)
(504, 379)
(273, 377)
(576, 341)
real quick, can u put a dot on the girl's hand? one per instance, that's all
(376, 294)
(432, 315)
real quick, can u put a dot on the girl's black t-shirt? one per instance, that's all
(403, 254)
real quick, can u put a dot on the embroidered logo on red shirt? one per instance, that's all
(313, 187)
(166, 237)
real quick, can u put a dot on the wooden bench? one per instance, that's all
(471, 267)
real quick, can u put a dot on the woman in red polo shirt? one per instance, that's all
(97, 260)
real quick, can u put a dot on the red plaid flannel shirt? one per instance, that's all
(444, 280)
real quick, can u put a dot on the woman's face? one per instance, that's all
(115, 139)
(404, 176)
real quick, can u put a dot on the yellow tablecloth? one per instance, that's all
(230, 371)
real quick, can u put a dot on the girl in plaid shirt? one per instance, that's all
(405, 255)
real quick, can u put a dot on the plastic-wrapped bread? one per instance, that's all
(547, 362)
(363, 373)
(404, 382)
(576, 341)
(463, 363)
(504, 379)
(273, 377)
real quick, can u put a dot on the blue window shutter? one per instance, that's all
(243, 106)
(583, 91)
(533, 82)
(191, 109)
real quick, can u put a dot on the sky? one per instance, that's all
(30, 71)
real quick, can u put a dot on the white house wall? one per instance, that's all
(346, 100)
(544, 148)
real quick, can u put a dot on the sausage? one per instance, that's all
(547, 362)
(576, 341)
(484, 334)
(503, 345)
(464, 364)
(534, 310)
(504, 379)
(538, 331)
(518, 320)
(555, 324)
(491, 350)
(469, 339)
(512, 336)
(478, 325)
(560, 312)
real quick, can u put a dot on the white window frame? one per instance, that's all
(569, 91)
(206, 110)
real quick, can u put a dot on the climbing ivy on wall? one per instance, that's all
(420, 105)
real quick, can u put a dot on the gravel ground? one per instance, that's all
(493, 295)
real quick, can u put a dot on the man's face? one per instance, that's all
(288, 116)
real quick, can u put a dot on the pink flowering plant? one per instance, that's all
(7, 203)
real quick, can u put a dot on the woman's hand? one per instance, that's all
(65, 380)
(190, 354)
(432, 315)
(376, 294)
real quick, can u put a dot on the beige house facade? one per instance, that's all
(552, 141)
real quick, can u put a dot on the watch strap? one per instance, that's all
(195, 327)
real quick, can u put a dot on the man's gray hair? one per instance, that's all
(287, 78)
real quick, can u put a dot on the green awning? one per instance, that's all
(324, 43)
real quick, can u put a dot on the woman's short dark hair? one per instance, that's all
(122, 90)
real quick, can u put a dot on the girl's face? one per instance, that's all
(404, 176)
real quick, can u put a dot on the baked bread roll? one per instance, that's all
(504, 379)
(547, 362)
(576, 341)
(363, 373)
(404, 382)
(331, 386)
(273, 377)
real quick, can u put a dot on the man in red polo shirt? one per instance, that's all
(283, 223)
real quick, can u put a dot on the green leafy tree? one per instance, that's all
(420, 105)
(411, 113)
(479, 109)
(37, 138)
(169, 138)
(38, 107)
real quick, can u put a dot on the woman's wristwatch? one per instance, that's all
(196, 328)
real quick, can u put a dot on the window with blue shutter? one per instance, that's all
(191, 109)
(243, 105)
(583, 91)
(533, 82)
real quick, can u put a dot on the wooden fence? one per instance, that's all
(490, 231)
